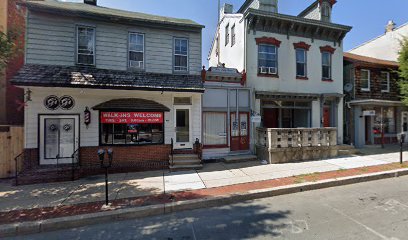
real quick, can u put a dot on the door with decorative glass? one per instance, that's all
(182, 121)
(58, 138)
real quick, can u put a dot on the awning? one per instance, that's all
(376, 102)
(132, 104)
(286, 96)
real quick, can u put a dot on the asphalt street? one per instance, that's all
(373, 210)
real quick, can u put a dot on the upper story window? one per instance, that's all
(136, 50)
(385, 81)
(326, 65)
(301, 62)
(267, 59)
(180, 55)
(233, 35)
(227, 35)
(365, 80)
(326, 12)
(85, 45)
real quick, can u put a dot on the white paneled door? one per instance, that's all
(182, 121)
(58, 138)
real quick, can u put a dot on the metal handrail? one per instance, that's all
(172, 152)
(75, 156)
(16, 166)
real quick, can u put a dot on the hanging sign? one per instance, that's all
(256, 119)
(131, 117)
(369, 113)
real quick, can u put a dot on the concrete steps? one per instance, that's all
(347, 150)
(181, 162)
(240, 158)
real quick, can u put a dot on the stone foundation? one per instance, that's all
(287, 155)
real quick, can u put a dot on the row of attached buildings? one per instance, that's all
(96, 77)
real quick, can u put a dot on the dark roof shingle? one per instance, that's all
(91, 77)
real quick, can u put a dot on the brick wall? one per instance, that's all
(128, 158)
(375, 85)
(16, 26)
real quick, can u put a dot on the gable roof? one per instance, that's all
(107, 14)
(91, 77)
(380, 36)
(358, 58)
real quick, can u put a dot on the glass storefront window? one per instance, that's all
(215, 128)
(131, 128)
(388, 119)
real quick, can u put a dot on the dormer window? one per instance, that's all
(326, 11)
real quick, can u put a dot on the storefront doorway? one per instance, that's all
(239, 132)
(404, 124)
(183, 127)
(58, 138)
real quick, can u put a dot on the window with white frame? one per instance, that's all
(136, 50)
(233, 35)
(227, 35)
(365, 80)
(301, 62)
(267, 59)
(85, 45)
(385, 81)
(326, 66)
(180, 55)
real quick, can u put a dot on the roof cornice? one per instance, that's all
(34, 6)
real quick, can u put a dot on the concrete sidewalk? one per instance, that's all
(131, 185)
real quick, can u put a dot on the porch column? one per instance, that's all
(316, 114)
(339, 115)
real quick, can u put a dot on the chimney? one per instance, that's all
(390, 26)
(91, 2)
(226, 9)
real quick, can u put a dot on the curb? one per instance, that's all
(54, 224)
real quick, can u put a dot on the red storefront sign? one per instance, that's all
(131, 117)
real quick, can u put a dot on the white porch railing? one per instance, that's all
(296, 137)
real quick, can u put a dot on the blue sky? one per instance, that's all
(367, 17)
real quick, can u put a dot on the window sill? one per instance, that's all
(327, 80)
(86, 65)
(268, 75)
(302, 78)
(382, 91)
(365, 90)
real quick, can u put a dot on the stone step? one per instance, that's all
(184, 156)
(240, 158)
(186, 167)
(185, 161)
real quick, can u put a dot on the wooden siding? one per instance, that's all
(52, 40)
(89, 135)
(11, 145)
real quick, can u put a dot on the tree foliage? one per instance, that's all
(403, 70)
(7, 49)
(12, 40)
